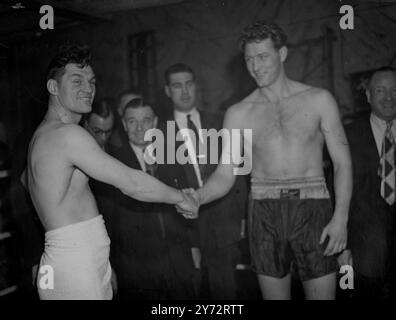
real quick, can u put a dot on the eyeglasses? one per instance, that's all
(99, 132)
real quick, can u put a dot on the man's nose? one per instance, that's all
(140, 126)
(103, 136)
(255, 64)
(88, 87)
(184, 90)
(388, 95)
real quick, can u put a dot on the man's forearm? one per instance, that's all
(149, 189)
(217, 186)
(343, 190)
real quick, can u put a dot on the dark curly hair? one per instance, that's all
(71, 53)
(261, 30)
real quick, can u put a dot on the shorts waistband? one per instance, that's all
(83, 233)
(289, 189)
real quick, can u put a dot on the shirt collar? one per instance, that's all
(378, 121)
(136, 148)
(182, 116)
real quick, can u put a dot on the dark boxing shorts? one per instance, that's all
(286, 220)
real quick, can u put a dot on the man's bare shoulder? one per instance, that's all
(319, 98)
(244, 106)
(69, 131)
(59, 136)
(317, 94)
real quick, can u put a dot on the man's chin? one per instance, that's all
(87, 108)
(262, 83)
(185, 108)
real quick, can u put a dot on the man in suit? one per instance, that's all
(100, 121)
(118, 137)
(204, 252)
(371, 225)
(138, 235)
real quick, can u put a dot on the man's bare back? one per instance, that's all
(58, 189)
(287, 137)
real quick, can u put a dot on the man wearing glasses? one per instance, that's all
(100, 122)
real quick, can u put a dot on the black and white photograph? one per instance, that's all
(211, 152)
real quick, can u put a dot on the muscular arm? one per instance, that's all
(223, 178)
(337, 145)
(83, 152)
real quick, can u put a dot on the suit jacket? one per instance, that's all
(137, 223)
(371, 219)
(138, 249)
(219, 222)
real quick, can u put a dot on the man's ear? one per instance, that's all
(155, 122)
(124, 124)
(167, 91)
(52, 87)
(368, 95)
(283, 53)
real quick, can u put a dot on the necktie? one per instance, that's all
(386, 169)
(191, 126)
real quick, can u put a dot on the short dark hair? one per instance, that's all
(70, 53)
(137, 103)
(125, 93)
(177, 68)
(261, 30)
(380, 69)
(103, 107)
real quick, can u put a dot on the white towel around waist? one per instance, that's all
(78, 257)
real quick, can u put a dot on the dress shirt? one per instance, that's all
(181, 120)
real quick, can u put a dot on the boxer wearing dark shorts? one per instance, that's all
(286, 220)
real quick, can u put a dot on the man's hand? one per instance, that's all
(190, 204)
(345, 258)
(337, 232)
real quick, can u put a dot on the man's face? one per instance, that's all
(382, 95)
(136, 122)
(182, 89)
(100, 128)
(124, 101)
(76, 88)
(264, 62)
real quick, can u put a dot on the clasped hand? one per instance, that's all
(190, 205)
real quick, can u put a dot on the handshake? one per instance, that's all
(190, 205)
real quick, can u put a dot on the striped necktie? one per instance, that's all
(386, 169)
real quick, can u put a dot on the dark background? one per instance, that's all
(134, 41)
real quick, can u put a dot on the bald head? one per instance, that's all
(381, 94)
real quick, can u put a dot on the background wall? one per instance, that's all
(204, 34)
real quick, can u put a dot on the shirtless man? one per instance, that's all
(62, 155)
(291, 215)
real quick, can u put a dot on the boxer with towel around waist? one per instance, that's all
(61, 157)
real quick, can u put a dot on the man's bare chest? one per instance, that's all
(290, 123)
